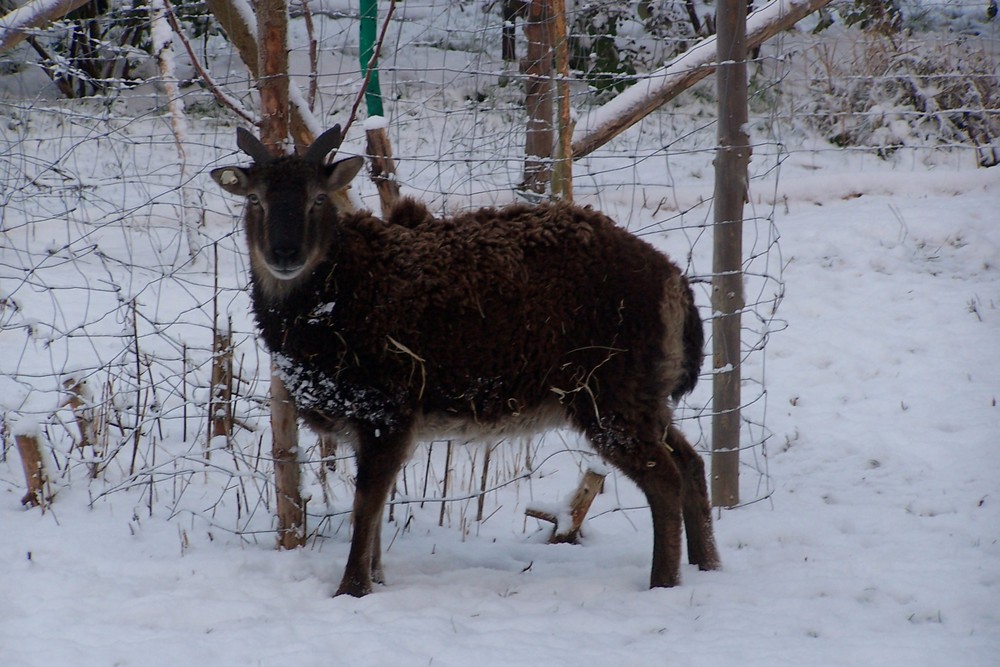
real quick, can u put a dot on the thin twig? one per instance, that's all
(313, 55)
(224, 99)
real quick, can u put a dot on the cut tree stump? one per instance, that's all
(577, 508)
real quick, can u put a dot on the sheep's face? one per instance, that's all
(290, 211)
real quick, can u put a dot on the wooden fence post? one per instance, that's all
(731, 162)
(379, 148)
(272, 37)
(537, 66)
(562, 172)
(291, 511)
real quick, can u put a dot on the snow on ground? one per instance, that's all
(878, 546)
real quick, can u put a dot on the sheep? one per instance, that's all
(498, 321)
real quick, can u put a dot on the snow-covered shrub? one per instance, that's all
(888, 93)
(610, 40)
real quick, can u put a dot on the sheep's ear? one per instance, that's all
(232, 179)
(341, 173)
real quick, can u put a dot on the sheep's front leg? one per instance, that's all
(380, 455)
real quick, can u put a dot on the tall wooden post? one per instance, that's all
(379, 148)
(562, 171)
(731, 163)
(272, 36)
(272, 81)
(537, 66)
(291, 511)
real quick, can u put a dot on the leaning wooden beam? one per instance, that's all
(576, 509)
(21, 23)
(606, 122)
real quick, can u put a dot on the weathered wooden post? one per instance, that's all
(537, 67)
(731, 163)
(379, 148)
(272, 37)
(29, 447)
(562, 171)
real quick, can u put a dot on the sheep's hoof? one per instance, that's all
(709, 565)
(354, 588)
(656, 581)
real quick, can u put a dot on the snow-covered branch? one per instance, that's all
(18, 24)
(604, 123)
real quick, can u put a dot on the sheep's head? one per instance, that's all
(291, 211)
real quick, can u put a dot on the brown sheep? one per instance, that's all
(499, 320)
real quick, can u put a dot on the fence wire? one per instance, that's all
(120, 262)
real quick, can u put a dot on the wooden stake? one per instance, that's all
(284, 451)
(30, 449)
(444, 489)
(579, 504)
(382, 168)
(328, 450)
(79, 400)
(220, 408)
(483, 480)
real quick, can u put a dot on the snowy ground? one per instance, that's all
(879, 545)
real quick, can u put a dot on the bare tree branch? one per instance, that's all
(221, 96)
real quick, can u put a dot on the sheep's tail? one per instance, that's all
(694, 347)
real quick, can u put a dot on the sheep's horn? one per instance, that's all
(325, 143)
(252, 146)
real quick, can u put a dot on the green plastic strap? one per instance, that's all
(369, 28)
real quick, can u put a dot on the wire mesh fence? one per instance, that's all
(120, 264)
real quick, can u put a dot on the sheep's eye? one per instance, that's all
(320, 199)
(253, 199)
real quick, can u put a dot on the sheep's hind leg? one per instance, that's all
(696, 507)
(379, 460)
(648, 463)
(378, 573)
